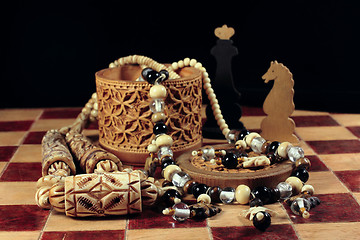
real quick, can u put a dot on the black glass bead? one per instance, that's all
(256, 202)
(272, 147)
(214, 193)
(263, 193)
(150, 75)
(198, 189)
(314, 201)
(242, 134)
(275, 195)
(166, 161)
(160, 128)
(230, 160)
(200, 213)
(302, 174)
(169, 196)
(262, 223)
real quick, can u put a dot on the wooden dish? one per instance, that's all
(208, 174)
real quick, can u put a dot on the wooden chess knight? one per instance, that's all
(279, 105)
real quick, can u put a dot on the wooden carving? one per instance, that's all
(279, 105)
(103, 194)
(88, 155)
(125, 126)
(224, 32)
(56, 155)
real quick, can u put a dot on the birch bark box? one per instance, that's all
(125, 126)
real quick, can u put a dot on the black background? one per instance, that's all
(51, 50)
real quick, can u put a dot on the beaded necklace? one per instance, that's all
(58, 162)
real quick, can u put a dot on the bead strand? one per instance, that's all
(208, 89)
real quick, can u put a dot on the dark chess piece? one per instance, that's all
(223, 85)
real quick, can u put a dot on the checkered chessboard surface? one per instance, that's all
(330, 140)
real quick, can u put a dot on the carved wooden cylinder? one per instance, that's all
(125, 126)
(56, 154)
(103, 194)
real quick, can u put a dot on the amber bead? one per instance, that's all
(188, 186)
(169, 196)
(303, 163)
(214, 193)
(265, 146)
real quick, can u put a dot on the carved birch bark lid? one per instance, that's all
(125, 126)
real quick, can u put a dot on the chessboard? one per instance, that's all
(330, 141)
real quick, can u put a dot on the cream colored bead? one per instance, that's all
(96, 106)
(207, 85)
(295, 183)
(250, 137)
(112, 65)
(158, 91)
(186, 61)
(205, 74)
(242, 194)
(159, 116)
(152, 148)
(281, 150)
(193, 62)
(164, 140)
(241, 144)
(170, 170)
(198, 65)
(181, 64)
(215, 106)
(204, 198)
(206, 80)
(174, 65)
(308, 188)
(219, 116)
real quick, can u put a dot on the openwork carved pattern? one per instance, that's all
(102, 194)
(125, 118)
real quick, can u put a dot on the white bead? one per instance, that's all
(181, 64)
(242, 194)
(158, 91)
(170, 170)
(250, 137)
(281, 150)
(193, 62)
(186, 61)
(209, 91)
(295, 183)
(112, 65)
(164, 140)
(206, 79)
(174, 65)
(241, 143)
(152, 148)
(207, 85)
(205, 74)
(204, 198)
(198, 65)
(308, 188)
